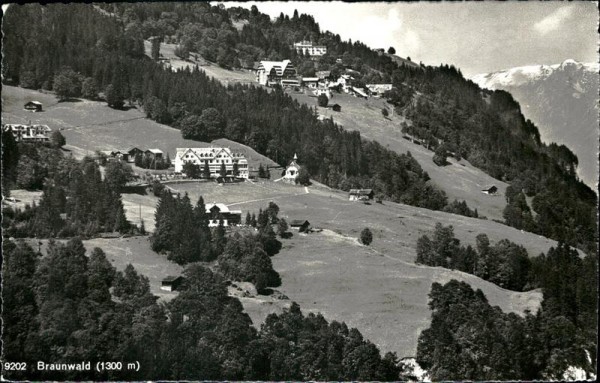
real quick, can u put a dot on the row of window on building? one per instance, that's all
(28, 132)
(214, 157)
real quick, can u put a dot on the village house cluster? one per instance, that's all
(214, 157)
(284, 73)
(128, 155)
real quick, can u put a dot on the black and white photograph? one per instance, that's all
(300, 191)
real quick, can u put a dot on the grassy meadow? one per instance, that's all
(460, 180)
(91, 125)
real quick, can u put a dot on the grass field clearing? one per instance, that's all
(460, 180)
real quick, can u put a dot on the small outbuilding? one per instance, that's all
(33, 106)
(122, 154)
(171, 283)
(301, 225)
(154, 153)
(361, 194)
(310, 82)
(358, 92)
(132, 152)
(490, 190)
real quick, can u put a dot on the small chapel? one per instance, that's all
(292, 170)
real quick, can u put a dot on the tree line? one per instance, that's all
(505, 263)
(76, 199)
(469, 339)
(182, 232)
(67, 307)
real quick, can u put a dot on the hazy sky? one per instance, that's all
(476, 37)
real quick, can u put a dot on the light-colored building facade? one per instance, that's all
(307, 48)
(276, 72)
(326, 92)
(214, 157)
(361, 194)
(28, 133)
(378, 89)
(291, 171)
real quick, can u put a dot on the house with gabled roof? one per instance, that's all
(490, 190)
(301, 225)
(171, 283)
(133, 152)
(378, 89)
(361, 194)
(33, 106)
(154, 153)
(274, 72)
(219, 212)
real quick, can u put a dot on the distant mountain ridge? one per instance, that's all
(562, 100)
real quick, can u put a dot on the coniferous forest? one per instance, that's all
(68, 307)
(562, 333)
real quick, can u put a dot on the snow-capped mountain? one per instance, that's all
(562, 100)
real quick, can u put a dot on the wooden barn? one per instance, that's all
(132, 152)
(171, 283)
(301, 225)
(33, 106)
(490, 190)
(155, 154)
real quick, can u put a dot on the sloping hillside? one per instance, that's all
(91, 125)
(403, 61)
(459, 180)
(322, 271)
(167, 53)
(378, 288)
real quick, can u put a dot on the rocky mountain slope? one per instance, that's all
(562, 100)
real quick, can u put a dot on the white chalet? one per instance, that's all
(276, 72)
(214, 157)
